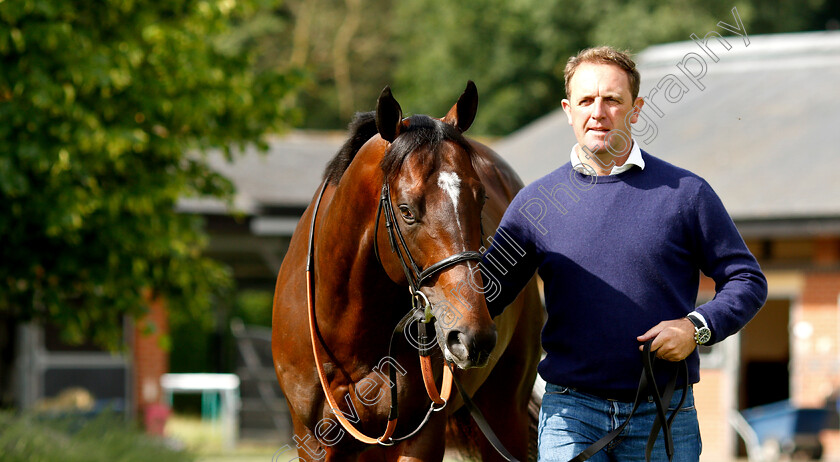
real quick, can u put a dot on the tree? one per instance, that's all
(344, 48)
(516, 51)
(106, 111)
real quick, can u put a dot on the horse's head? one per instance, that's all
(436, 197)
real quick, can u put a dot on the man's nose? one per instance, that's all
(598, 109)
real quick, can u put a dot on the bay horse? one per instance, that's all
(354, 268)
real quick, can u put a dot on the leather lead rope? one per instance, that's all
(647, 383)
(482, 422)
(442, 397)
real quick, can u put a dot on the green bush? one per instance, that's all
(33, 438)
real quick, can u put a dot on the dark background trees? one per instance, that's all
(514, 51)
(106, 109)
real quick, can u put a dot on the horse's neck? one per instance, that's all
(356, 301)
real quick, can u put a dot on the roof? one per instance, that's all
(763, 131)
(287, 176)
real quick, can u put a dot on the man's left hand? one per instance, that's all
(672, 340)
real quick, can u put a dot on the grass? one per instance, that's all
(105, 438)
(109, 438)
(204, 439)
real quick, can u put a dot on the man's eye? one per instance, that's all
(406, 213)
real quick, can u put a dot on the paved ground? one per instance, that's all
(260, 454)
(205, 440)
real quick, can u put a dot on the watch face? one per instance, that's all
(702, 335)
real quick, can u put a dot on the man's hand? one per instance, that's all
(672, 340)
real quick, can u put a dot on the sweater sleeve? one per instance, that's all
(740, 286)
(511, 260)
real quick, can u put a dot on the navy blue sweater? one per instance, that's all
(617, 255)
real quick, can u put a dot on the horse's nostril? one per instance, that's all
(474, 348)
(456, 341)
(484, 344)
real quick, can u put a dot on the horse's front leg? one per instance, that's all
(426, 446)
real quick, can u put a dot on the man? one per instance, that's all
(619, 238)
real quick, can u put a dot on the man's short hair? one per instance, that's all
(604, 55)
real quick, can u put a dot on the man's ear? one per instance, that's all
(388, 115)
(462, 114)
(567, 108)
(637, 108)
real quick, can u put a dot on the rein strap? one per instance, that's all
(322, 377)
(438, 398)
(647, 383)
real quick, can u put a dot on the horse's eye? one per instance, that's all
(406, 214)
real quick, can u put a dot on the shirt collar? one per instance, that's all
(635, 158)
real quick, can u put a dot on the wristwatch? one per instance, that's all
(702, 334)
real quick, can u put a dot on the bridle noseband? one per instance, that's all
(412, 271)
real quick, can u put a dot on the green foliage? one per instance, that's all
(516, 51)
(206, 343)
(510, 49)
(328, 42)
(106, 110)
(29, 438)
(253, 307)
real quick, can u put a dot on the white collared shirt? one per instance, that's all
(635, 158)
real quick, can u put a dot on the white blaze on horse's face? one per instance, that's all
(450, 182)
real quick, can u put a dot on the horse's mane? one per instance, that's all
(421, 131)
(361, 129)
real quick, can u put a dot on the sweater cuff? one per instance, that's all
(700, 317)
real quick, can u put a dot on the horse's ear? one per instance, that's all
(388, 115)
(463, 112)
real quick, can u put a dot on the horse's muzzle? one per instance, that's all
(470, 349)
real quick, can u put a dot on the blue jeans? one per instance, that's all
(570, 421)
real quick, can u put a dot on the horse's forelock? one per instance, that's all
(421, 132)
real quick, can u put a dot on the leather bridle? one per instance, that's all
(412, 271)
(421, 311)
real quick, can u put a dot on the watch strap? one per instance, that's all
(698, 324)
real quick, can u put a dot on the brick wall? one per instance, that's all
(710, 396)
(815, 365)
(816, 358)
(827, 251)
(707, 286)
(151, 360)
(713, 398)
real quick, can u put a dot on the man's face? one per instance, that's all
(600, 101)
